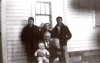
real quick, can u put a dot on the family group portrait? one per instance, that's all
(49, 31)
(45, 45)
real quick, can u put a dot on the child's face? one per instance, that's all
(41, 47)
(57, 43)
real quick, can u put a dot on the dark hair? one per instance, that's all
(59, 17)
(31, 18)
(45, 24)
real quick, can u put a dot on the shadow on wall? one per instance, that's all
(88, 5)
(97, 36)
(85, 4)
(23, 24)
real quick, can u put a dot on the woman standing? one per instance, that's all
(46, 28)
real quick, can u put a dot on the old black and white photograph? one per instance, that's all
(49, 31)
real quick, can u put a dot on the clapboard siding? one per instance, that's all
(17, 8)
(13, 38)
(17, 16)
(80, 21)
(15, 22)
(18, 3)
(83, 48)
(12, 14)
(18, 11)
(14, 42)
(82, 42)
(15, 46)
(9, 25)
(13, 35)
(21, 61)
(14, 54)
(16, 57)
(15, 50)
(84, 45)
(8, 31)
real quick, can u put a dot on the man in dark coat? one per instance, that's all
(61, 32)
(29, 37)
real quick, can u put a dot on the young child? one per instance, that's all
(56, 52)
(42, 54)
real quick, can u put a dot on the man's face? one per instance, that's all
(30, 22)
(46, 37)
(59, 21)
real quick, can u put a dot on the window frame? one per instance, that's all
(50, 11)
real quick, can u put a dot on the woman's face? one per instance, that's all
(47, 26)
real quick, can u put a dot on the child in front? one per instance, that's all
(42, 54)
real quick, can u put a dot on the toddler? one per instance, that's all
(42, 54)
(56, 51)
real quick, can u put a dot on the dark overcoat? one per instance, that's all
(62, 35)
(30, 39)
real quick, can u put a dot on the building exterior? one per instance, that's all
(82, 18)
(15, 14)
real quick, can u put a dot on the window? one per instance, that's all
(43, 13)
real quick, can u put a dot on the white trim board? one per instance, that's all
(3, 31)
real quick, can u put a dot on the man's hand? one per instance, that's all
(59, 53)
(57, 59)
(66, 36)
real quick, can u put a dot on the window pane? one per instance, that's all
(37, 8)
(41, 19)
(47, 9)
(42, 8)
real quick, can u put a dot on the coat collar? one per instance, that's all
(29, 26)
(61, 25)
